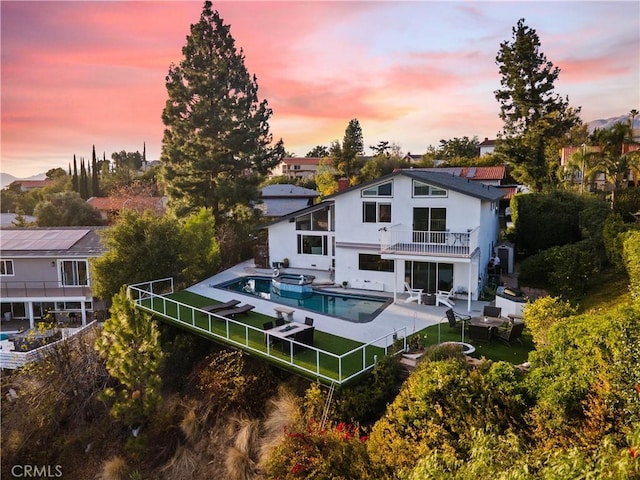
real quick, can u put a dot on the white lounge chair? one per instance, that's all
(415, 294)
(445, 298)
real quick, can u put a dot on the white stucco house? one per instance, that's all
(433, 230)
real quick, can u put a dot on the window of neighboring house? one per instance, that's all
(421, 189)
(296, 167)
(312, 244)
(374, 263)
(73, 272)
(382, 190)
(373, 212)
(6, 268)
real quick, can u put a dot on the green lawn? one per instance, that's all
(314, 361)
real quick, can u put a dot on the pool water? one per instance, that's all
(354, 308)
(4, 336)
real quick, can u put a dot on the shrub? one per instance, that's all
(542, 314)
(631, 253)
(612, 240)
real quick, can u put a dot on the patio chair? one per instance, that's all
(479, 333)
(456, 319)
(512, 334)
(491, 311)
(235, 311)
(279, 321)
(415, 294)
(445, 297)
(220, 306)
(308, 321)
(267, 326)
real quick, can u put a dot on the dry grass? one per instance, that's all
(239, 465)
(184, 464)
(189, 426)
(114, 469)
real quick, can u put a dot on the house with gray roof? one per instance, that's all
(431, 230)
(278, 200)
(47, 270)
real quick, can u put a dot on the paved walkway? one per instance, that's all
(400, 317)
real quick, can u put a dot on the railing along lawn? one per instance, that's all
(330, 359)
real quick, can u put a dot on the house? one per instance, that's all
(487, 146)
(574, 174)
(281, 199)
(489, 175)
(110, 207)
(28, 185)
(47, 269)
(299, 167)
(433, 230)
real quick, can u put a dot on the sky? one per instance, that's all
(79, 74)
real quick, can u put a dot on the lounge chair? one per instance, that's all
(491, 311)
(445, 297)
(220, 306)
(512, 334)
(456, 319)
(415, 294)
(231, 312)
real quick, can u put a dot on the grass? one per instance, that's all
(314, 361)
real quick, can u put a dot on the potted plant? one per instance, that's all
(285, 263)
(344, 284)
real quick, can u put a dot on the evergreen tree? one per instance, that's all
(83, 182)
(533, 114)
(95, 180)
(130, 342)
(75, 186)
(216, 143)
(345, 156)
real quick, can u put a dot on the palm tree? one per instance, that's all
(633, 114)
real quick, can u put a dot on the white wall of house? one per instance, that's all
(283, 243)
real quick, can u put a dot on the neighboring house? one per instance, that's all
(487, 146)
(10, 219)
(27, 185)
(298, 167)
(599, 181)
(434, 230)
(493, 175)
(47, 269)
(282, 199)
(412, 158)
(110, 207)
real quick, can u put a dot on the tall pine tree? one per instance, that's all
(532, 113)
(216, 143)
(95, 180)
(75, 184)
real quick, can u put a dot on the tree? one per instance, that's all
(318, 151)
(344, 156)
(130, 343)
(66, 209)
(532, 113)
(216, 143)
(459, 147)
(200, 252)
(56, 173)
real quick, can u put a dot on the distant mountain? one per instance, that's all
(7, 178)
(610, 122)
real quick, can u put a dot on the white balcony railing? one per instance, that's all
(439, 243)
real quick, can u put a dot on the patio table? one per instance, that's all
(288, 330)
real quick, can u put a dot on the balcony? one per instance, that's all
(18, 289)
(433, 243)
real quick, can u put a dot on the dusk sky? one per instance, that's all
(78, 74)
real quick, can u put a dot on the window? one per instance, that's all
(312, 244)
(73, 273)
(374, 263)
(6, 268)
(317, 221)
(424, 190)
(382, 190)
(373, 212)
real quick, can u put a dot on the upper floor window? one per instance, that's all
(6, 267)
(382, 190)
(316, 221)
(74, 273)
(421, 189)
(374, 212)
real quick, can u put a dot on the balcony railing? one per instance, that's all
(326, 366)
(14, 289)
(439, 243)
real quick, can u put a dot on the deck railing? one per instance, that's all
(429, 242)
(10, 289)
(144, 296)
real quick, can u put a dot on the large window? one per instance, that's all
(374, 263)
(314, 221)
(312, 244)
(6, 267)
(373, 212)
(425, 190)
(429, 276)
(73, 273)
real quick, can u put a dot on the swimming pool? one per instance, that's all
(354, 308)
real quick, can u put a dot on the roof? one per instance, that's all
(119, 203)
(288, 191)
(497, 172)
(303, 160)
(51, 242)
(278, 207)
(438, 178)
(30, 184)
(487, 143)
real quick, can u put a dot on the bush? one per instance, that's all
(542, 314)
(631, 252)
(612, 240)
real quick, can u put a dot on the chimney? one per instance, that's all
(343, 184)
